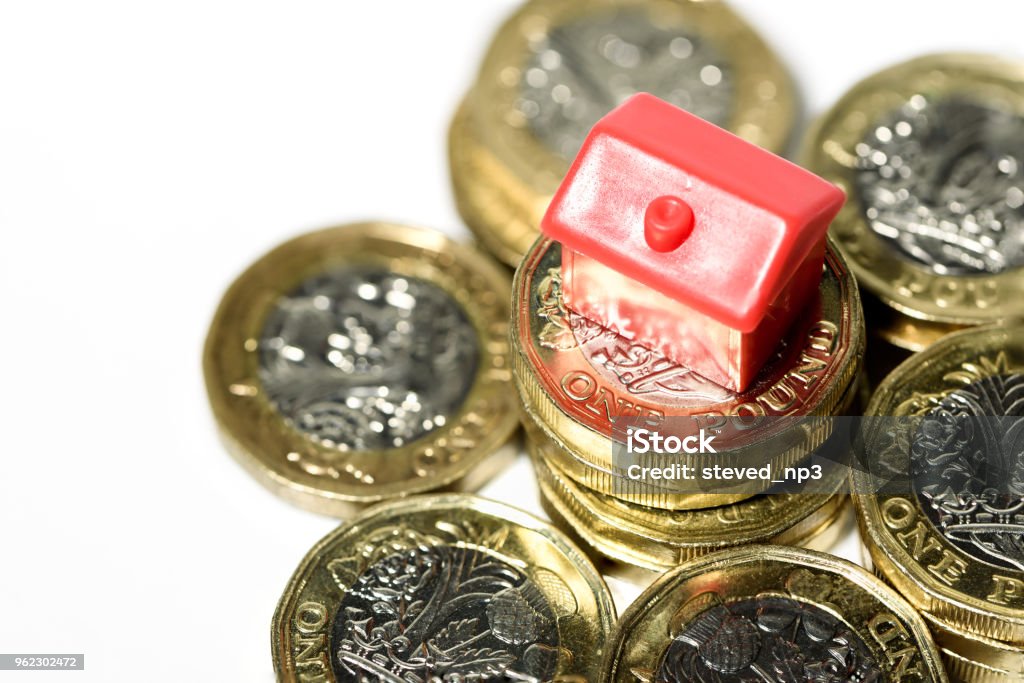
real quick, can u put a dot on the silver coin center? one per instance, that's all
(448, 614)
(743, 640)
(581, 70)
(943, 181)
(367, 359)
(967, 463)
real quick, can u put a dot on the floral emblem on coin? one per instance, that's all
(943, 181)
(444, 614)
(766, 638)
(639, 369)
(364, 359)
(967, 461)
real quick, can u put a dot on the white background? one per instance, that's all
(148, 153)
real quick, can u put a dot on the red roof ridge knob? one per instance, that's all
(668, 221)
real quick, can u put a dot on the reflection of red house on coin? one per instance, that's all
(688, 239)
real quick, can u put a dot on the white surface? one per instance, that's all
(148, 153)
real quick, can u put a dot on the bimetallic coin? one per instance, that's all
(931, 154)
(557, 66)
(443, 588)
(362, 362)
(581, 383)
(944, 448)
(656, 540)
(770, 613)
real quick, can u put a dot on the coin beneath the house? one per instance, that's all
(931, 155)
(770, 613)
(940, 481)
(584, 385)
(557, 66)
(443, 588)
(363, 362)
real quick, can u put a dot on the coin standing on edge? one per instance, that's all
(944, 449)
(556, 66)
(363, 362)
(931, 155)
(770, 613)
(449, 587)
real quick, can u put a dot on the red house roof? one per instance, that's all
(691, 210)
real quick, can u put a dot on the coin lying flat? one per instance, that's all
(656, 540)
(943, 448)
(557, 66)
(931, 155)
(579, 382)
(362, 362)
(443, 588)
(770, 613)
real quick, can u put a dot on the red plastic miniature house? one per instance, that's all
(688, 239)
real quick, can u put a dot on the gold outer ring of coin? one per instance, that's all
(574, 591)
(939, 578)
(319, 477)
(575, 389)
(503, 176)
(657, 540)
(893, 632)
(911, 289)
(973, 659)
(901, 330)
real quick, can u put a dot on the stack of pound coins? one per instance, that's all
(931, 155)
(939, 492)
(557, 66)
(364, 362)
(580, 383)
